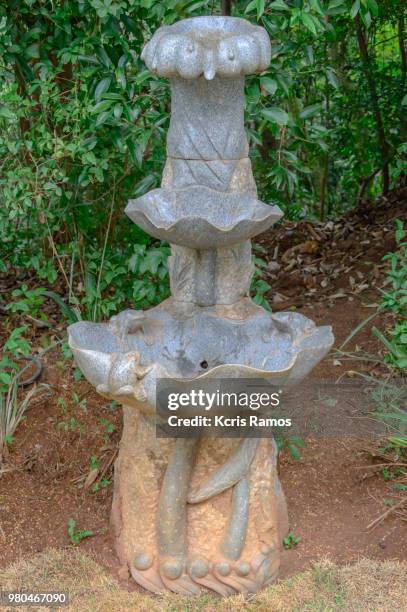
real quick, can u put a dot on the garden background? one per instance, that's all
(82, 129)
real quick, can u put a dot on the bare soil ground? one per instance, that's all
(330, 272)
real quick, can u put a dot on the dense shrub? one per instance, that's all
(83, 127)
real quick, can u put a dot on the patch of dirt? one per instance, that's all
(331, 263)
(331, 501)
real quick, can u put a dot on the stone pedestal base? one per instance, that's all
(197, 514)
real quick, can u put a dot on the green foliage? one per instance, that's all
(259, 286)
(396, 345)
(291, 541)
(15, 347)
(108, 428)
(313, 112)
(12, 412)
(83, 126)
(390, 399)
(94, 463)
(72, 425)
(395, 300)
(292, 444)
(77, 535)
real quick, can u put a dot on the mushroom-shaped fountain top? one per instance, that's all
(208, 46)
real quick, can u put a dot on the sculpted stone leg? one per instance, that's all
(182, 522)
(172, 518)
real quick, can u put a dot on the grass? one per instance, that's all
(366, 585)
(12, 412)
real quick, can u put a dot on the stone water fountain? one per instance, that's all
(194, 514)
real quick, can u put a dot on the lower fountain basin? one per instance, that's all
(124, 358)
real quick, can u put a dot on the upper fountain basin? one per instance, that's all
(208, 46)
(201, 218)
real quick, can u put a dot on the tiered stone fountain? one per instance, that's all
(193, 514)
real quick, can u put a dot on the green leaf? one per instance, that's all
(6, 113)
(102, 86)
(367, 18)
(278, 115)
(332, 78)
(130, 24)
(294, 452)
(316, 5)
(270, 85)
(102, 106)
(259, 8)
(373, 7)
(103, 57)
(251, 6)
(310, 54)
(310, 111)
(70, 314)
(355, 9)
(33, 51)
(308, 22)
(102, 118)
(279, 5)
(117, 111)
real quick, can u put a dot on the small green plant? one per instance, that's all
(12, 412)
(395, 300)
(94, 463)
(259, 286)
(95, 466)
(72, 425)
(15, 347)
(112, 406)
(77, 535)
(101, 484)
(62, 403)
(108, 427)
(291, 443)
(29, 301)
(396, 345)
(291, 541)
(391, 474)
(80, 403)
(390, 400)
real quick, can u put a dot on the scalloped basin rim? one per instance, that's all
(133, 207)
(239, 366)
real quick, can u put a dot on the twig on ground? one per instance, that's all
(380, 518)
